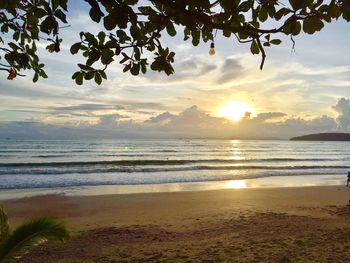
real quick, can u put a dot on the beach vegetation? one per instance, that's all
(16, 243)
(132, 31)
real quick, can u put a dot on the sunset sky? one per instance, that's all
(296, 93)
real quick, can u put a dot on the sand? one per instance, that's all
(291, 224)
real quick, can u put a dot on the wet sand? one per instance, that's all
(293, 224)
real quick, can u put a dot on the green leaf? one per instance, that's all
(63, 4)
(300, 4)
(74, 76)
(143, 68)
(91, 39)
(103, 74)
(195, 37)
(16, 35)
(4, 225)
(43, 74)
(89, 75)
(75, 48)
(275, 41)
(135, 69)
(4, 28)
(30, 235)
(334, 10)
(98, 78)
(137, 53)
(62, 16)
(110, 22)
(171, 29)
(147, 10)
(101, 37)
(282, 12)
(36, 77)
(94, 56)
(123, 37)
(85, 67)
(313, 24)
(107, 56)
(95, 15)
(263, 15)
(14, 46)
(48, 25)
(79, 78)
(39, 12)
(254, 48)
(296, 28)
(245, 6)
(125, 58)
(55, 4)
(127, 67)
(226, 33)
(135, 32)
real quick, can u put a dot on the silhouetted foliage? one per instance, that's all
(133, 29)
(14, 244)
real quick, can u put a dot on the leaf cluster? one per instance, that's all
(14, 244)
(133, 30)
(23, 24)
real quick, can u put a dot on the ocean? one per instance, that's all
(76, 163)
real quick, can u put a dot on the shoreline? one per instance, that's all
(263, 182)
(158, 207)
(305, 224)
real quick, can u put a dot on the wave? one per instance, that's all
(151, 180)
(49, 156)
(157, 162)
(89, 170)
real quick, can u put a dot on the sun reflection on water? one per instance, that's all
(236, 151)
(236, 184)
(237, 158)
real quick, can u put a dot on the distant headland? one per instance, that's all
(331, 136)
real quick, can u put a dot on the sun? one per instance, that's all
(235, 110)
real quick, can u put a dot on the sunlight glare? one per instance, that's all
(235, 110)
(236, 184)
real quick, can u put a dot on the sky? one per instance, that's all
(300, 92)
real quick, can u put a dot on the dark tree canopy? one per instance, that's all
(134, 29)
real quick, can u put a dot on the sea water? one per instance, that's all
(75, 163)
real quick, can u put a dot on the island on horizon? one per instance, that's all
(328, 136)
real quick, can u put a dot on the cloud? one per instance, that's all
(187, 69)
(88, 107)
(94, 110)
(192, 67)
(142, 105)
(161, 118)
(231, 69)
(342, 107)
(110, 120)
(262, 117)
(190, 123)
(183, 98)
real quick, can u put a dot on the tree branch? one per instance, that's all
(207, 20)
(263, 54)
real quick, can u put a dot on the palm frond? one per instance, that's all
(29, 235)
(4, 225)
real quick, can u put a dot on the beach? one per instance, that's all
(182, 200)
(281, 224)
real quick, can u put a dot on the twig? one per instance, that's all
(263, 54)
